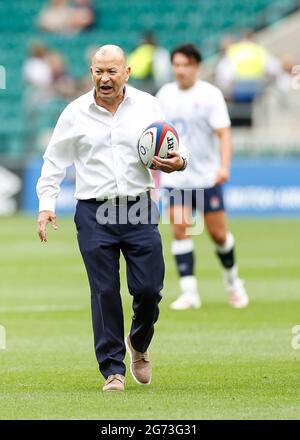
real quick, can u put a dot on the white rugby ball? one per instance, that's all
(157, 140)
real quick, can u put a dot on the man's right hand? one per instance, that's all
(44, 218)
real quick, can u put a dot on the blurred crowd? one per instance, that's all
(67, 17)
(47, 77)
(244, 69)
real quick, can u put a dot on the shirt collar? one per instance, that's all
(91, 96)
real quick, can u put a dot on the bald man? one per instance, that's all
(98, 133)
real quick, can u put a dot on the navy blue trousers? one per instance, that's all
(100, 246)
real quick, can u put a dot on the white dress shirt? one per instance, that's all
(102, 146)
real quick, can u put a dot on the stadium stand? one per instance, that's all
(172, 21)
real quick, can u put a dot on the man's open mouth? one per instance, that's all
(105, 88)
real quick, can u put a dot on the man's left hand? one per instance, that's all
(174, 162)
(222, 175)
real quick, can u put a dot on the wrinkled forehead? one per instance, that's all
(108, 60)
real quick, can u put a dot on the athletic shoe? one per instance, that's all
(114, 382)
(238, 297)
(186, 301)
(140, 365)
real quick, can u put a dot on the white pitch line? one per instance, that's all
(41, 308)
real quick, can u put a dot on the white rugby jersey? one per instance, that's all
(195, 113)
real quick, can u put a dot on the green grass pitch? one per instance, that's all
(213, 363)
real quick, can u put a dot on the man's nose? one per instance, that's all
(104, 77)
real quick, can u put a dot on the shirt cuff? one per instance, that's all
(47, 204)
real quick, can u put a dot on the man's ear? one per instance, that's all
(91, 73)
(128, 71)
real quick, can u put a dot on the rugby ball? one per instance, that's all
(157, 140)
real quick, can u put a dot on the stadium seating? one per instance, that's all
(120, 22)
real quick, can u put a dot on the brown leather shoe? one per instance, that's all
(115, 382)
(140, 365)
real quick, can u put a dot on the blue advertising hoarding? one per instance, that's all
(65, 202)
(258, 187)
(264, 187)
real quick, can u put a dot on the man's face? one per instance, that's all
(186, 70)
(109, 74)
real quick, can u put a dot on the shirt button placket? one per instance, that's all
(114, 150)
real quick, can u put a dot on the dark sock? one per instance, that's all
(185, 264)
(227, 259)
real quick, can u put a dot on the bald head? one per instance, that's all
(109, 73)
(110, 51)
